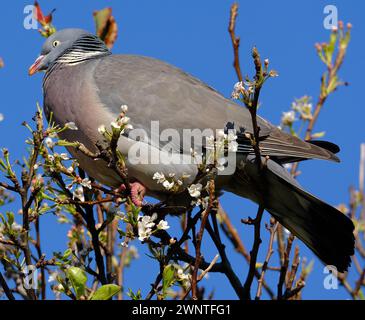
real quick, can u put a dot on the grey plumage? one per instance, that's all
(87, 85)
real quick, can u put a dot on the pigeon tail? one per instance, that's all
(324, 229)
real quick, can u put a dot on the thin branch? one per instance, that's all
(235, 40)
(227, 268)
(202, 275)
(5, 287)
(253, 253)
(40, 256)
(270, 251)
(285, 265)
(293, 270)
(329, 83)
(199, 239)
(230, 231)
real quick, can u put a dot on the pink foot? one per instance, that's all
(138, 191)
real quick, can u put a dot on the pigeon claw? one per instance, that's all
(137, 192)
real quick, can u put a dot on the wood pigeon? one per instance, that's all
(84, 83)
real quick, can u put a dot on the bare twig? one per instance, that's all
(329, 83)
(227, 268)
(254, 252)
(284, 266)
(232, 234)
(235, 40)
(270, 251)
(5, 287)
(293, 270)
(199, 239)
(202, 275)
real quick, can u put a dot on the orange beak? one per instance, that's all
(35, 66)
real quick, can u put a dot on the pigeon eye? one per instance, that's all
(55, 43)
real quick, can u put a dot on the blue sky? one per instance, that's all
(193, 36)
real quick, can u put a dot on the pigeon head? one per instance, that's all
(68, 46)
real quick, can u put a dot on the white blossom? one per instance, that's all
(238, 86)
(102, 129)
(163, 225)
(221, 134)
(147, 221)
(59, 287)
(233, 146)
(86, 183)
(144, 234)
(231, 136)
(64, 156)
(124, 244)
(53, 277)
(205, 202)
(304, 107)
(168, 185)
(221, 162)
(124, 120)
(181, 276)
(145, 225)
(288, 118)
(71, 126)
(124, 108)
(36, 166)
(237, 90)
(159, 177)
(79, 194)
(195, 189)
(115, 125)
(49, 142)
(70, 169)
(16, 227)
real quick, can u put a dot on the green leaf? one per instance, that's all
(318, 135)
(105, 292)
(134, 296)
(121, 233)
(333, 84)
(10, 217)
(168, 277)
(308, 269)
(67, 253)
(331, 47)
(78, 280)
